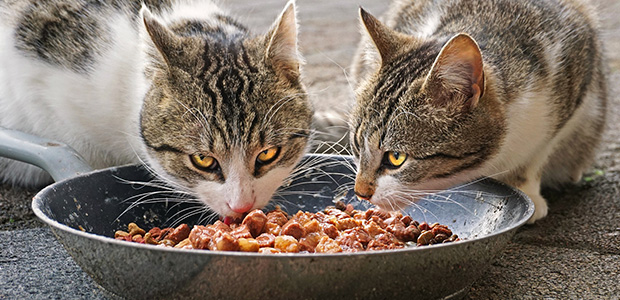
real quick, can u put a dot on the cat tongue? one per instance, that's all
(228, 220)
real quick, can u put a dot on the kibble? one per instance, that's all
(335, 229)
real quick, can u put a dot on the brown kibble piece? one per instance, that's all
(178, 234)
(167, 242)
(148, 239)
(439, 238)
(354, 239)
(377, 212)
(155, 232)
(312, 226)
(443, 229)
(340, 205)
(273, 228)
(294, 229)
(278, 217)
(389, 240)
(286, 243)
(266, 240)
(373, 229)
(269, 250)
(406, 220)
(424, 226)
(221, 226)
(248, 245)
(411, 233)
(201, 236)
(242, 231)
(309, 242)
(255, 221)
(452, 238)
(327, 245)
(120, 233)
(137, 238)
(134, 229)
(164, 233)
(184, 244)
(378, 221)
(425, 237)
(226, 242)
(346, 223)
(330, 230)
(349, 209)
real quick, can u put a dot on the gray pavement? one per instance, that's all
(574, 253)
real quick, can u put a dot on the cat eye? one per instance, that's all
(268, 155)
(395, 159)
(202, 162)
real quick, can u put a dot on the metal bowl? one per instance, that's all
(84, 211)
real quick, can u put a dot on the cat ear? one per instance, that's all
(457, 76)
(282, 49)
(166, 42)
(386, 40)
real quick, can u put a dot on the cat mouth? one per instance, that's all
(229, 220)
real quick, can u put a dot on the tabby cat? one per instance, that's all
(449, 91)
(212, 109)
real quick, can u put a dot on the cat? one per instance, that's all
(214, 110)
(449, 91)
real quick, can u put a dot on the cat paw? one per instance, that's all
(540, 208)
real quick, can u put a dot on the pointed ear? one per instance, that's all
(457, 77)
(166, 42)
(386, 40)
(282, 49)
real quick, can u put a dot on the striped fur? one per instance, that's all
(539, 110)
(165, 80)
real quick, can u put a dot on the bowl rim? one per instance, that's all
(38, 199)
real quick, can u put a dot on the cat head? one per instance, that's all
(427, 118)
(226, 116)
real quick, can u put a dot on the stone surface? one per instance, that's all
(574, 253)
(33, 265)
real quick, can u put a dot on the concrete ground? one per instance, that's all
(574, 253)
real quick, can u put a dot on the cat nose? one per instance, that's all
(245, 207)
(363, 191)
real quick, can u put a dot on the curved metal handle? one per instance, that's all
(58, 159)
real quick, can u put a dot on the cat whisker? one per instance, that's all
(344, 71)
(434, 201)
(281, 102)
(280, 200)
(409, 202)
(320, 171)
(204, 213)
(155, 184)
(298, 184)
(295, 193)
(208, 216)
(147, 200)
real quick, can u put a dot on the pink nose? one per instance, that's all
(242, 209)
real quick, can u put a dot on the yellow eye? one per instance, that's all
(396, 159)
(268, 155)
(203, 162)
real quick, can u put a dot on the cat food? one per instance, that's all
(335, 229)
